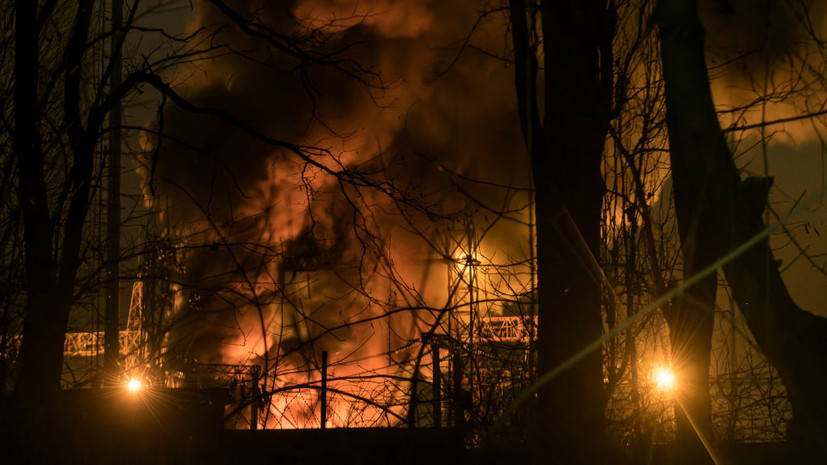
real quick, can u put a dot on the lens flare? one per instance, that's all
(665, 379)
(134, 385)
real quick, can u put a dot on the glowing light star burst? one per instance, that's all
(665, 379)
(134, 385)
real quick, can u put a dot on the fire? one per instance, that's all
(301, 407)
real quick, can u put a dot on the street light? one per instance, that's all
(665, 379)
(134, 385)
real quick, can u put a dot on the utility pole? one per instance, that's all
(437, 380)
(113, 214)
(323, 395)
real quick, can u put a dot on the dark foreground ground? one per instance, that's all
(184, 427)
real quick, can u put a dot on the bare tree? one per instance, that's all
(62, 100)
(728, 213)
(566, 148)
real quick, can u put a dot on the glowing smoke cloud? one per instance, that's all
(285, 259)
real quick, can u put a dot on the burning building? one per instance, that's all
(342, 233)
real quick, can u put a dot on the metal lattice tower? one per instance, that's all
(90, 343)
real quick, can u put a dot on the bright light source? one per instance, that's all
(665, 379)
(464, 261)
(134, 385)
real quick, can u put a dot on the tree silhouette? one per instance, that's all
(566, 149)
(724, 213)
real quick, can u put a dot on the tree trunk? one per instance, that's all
(50, 280)
(691, 319)
(704, 173)
(39, 367)
(40, 359)
(691, 322)
(566, 152)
